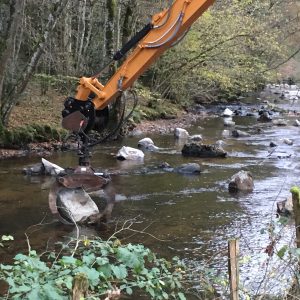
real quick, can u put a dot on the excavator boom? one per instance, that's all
(165, 29)
(80, 113)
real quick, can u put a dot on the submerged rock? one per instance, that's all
(128, 153)
(200, 150)
(225, 133)
(34, 170)
(189, 168)
(44, 168)
(239, 133)
(280, 122)
(241, 181)
(228, 122)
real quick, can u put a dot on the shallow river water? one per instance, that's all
(190, 216)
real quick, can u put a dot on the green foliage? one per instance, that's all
(106, 264)
(227, 53)
(153, 107)
(34, 133)
(296, 193)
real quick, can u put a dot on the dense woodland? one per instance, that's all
(234, 48)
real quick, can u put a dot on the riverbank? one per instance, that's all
(161, 126)
(43, 109)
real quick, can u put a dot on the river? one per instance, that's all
(190, 216)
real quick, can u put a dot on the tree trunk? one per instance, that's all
(109, 30)
(14, 20)
(67, 40)
(128, 21)
(11, 98)
(81, 34)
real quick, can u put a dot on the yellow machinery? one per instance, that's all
(166, 29)
(82, 112)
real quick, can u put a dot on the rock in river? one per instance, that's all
(264, 116)
(200, 150)
(228, 122)
(196, 138)
(241, 181)
(280, 122)
(288, 141)
(227, 113)
(181, 133)
(239, 133)
(128, 153)
(147, 144)
(297, 123)
(189, 168)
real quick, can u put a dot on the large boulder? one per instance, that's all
(147, 144)
(75, 206)
(200, 150)
(128, 153)
(181, 133)
(241, 181)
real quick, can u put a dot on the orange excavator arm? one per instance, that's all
(165, 30)
(92, 99)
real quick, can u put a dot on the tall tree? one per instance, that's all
(10, 96)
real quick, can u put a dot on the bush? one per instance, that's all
(107, 265)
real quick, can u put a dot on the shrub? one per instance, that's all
(106, 264)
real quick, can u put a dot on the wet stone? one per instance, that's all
(189, 168)
(196, 138)
(147, 144)
(181, 133)
(288, 142)
(34, 170)
(200, 150)
(128, 153)
(241, 181)
(239, 133)
(280, 122)
(264, 116)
